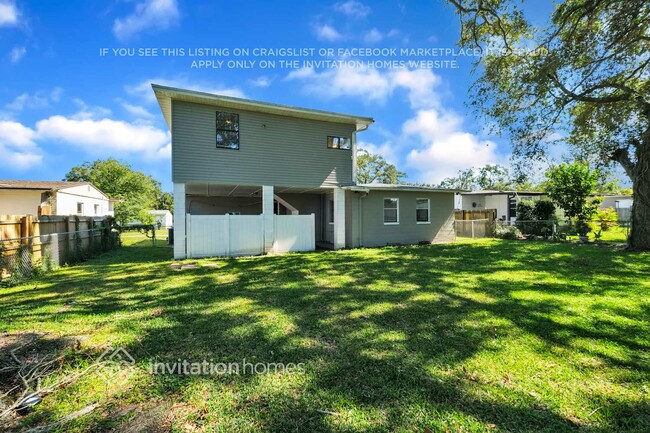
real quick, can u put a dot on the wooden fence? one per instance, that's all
(29, 242)
(468, 215)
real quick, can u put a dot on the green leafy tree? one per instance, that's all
(584, 76)
(571, 187)
(490, 176)
(135, 190)
(165, 202)
(373, 168)
(465, 179)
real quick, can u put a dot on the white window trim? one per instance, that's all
(383, 209)
(428, 211)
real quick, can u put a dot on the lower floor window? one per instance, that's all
(422, 210)
(391, 211)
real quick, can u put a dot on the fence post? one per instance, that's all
(472, 228)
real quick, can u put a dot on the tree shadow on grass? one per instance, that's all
(382, 333)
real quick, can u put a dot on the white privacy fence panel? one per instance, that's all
(224, 235)
(294, 233)
(246, 235)
(243, 235)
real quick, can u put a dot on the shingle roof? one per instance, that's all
(39, 184)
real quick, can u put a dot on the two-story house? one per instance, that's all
(253, 177)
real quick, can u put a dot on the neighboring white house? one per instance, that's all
(28, 197)
(617, 201)
(163, 218)
(505, 202)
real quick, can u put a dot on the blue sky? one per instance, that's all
(63, 103)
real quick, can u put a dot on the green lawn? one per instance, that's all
(474, 336)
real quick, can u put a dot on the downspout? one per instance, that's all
(360, 205)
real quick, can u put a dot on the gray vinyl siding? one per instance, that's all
(367, 219)
(273, 150)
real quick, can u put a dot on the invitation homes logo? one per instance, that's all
(184, 367)
(118, 364)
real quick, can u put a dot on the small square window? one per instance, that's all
(422, 210)
(227, 130)
(343, 143)
(391, 211)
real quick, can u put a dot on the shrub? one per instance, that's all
(525, 210)
(506, 232)
(605, 220)
(544, 210)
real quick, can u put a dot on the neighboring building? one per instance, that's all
(505, 202)
(29, 197)
(163, 218)
(616, 201)
(252, 177)
(621, 202)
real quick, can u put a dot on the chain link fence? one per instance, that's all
(25, 257)
(561, 229)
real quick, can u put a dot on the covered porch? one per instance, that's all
(230, 220)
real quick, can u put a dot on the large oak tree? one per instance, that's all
(583, 76)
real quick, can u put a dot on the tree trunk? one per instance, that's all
(640, 234)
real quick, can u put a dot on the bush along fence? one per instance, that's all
(30, 246)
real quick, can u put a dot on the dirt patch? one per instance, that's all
(149, 419)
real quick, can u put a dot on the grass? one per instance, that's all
(475, 336)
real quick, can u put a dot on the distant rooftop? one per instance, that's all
(399, 187)
(41, 185)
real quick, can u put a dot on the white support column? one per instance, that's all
(269, 221)
(180, 251)
(339, 218)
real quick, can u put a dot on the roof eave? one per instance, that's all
(165, 95)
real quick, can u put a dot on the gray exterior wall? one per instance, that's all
(365, 223)
(273, 150)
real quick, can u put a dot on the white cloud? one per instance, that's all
(444, 147)
(421, 85)
(352, 8)
(373, 36)
(8, 14)
(16, 135)
(143, 89)
(28, 100)
(328, 33)
(369, 83)
(333, 83)
(104, 136)
(136, 110)
(17, 147)
(17, 53)
(35, 100)
(165, 152)
(149, 14)
(261, 81)
(89, 111)
(387, 149)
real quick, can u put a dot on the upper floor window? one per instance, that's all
(80, 208)
(422, 211)
(391, 211)
(96, 209)
(338, 143)
(227, 130)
